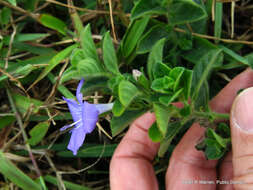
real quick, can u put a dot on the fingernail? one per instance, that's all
(242, 111)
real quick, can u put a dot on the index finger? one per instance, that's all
(131, 166)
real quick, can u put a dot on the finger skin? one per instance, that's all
(226, 173)
(186, 163)
(242, 140)
(226, 167)
(131, 166)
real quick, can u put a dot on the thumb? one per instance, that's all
(241, 123)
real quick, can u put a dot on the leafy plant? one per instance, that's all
(163, 56)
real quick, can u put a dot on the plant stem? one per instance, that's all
(214, 115)
(20, 123)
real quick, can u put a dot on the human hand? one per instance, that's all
(131, 166)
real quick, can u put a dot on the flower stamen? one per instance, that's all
(68, 126)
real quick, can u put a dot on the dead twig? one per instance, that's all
(112, 22)
(215, 38)
(86, 168)
(23, 11)
(80, 9)
(10, 44)
(14, 79)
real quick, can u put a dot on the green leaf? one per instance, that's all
(69, 74)
(25, 37)
(163, 85)
(201, 103)
(5, 15)
(33, 49)
(38, 60)
(65, 92)
(218, 19)
(166, 100)
(249, 57)
(91, 152)
(158, 85)
(143, 81)
(68, 185)
(202, 70)
(53, 23)
(118, 109)
(132, 35)
(162, 117)
(87, 44)
(13, 2)
(95, 83)
(30, 5)
(187, 82)
(176, 74)
(15, 175)
(212, 134)
(185, 42)
(38, 132)
(213, 151)
(1, 43)
(154, 133)
(144, 8)
(200, 49)
(150, 37)
(23, 71)
(161, 70)
(76, 56)
(18, 71)
(224, 130)
(168, 82)
(23, 103)
(234, 55)
(109, 55)
(127, 92)
(88, 66)
(118, 124)
(113, 84)
(185, 11)
(172, 130)
(6, 120)
(185, 111)
(54, 62)
(77, 22)
(155, 56)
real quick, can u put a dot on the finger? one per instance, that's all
(192, 162)
(131, 166)
(225, 177)
(222, 102)
(241, 122)
(191, 165)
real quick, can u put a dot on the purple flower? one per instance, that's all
(85, 116)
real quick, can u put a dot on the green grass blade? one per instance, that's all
(218, 20)
(54, 62)
(10, 171)
(68, 185)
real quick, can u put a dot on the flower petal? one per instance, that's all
(79, 95)
(75, 109)
(76, 140)
(103, 107)
(90, 116)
